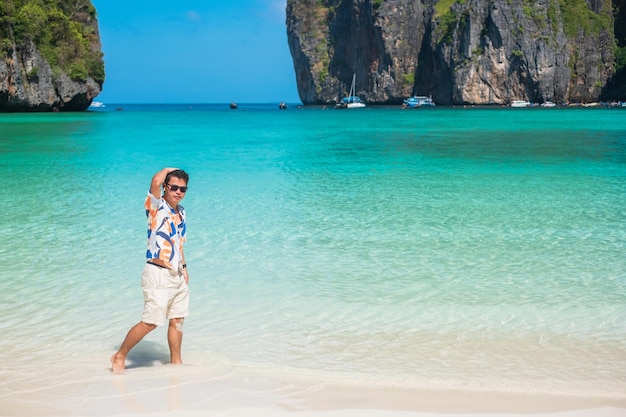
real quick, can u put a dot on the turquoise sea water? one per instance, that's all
(448, 247)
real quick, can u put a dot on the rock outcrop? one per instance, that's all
(458, 51)
(30, 81)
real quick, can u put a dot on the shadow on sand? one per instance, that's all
(147, 354)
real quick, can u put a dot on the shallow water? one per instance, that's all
(476, 248)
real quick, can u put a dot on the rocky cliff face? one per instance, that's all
(458, 51)
(30, 81)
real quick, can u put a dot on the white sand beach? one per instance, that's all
(234, 391)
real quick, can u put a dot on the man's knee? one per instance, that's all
(149, 326)
(177, 324)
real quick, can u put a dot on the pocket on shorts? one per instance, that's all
(151, 277)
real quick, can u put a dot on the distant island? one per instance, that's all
(458, 51)
(455, 51)
(50, 55)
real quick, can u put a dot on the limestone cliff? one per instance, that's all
(50, 55)
(458, 51)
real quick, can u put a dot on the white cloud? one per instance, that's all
(276, 10)
(193, 16)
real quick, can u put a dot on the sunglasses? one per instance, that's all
(176, 188)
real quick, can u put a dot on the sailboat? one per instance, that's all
(352, 101)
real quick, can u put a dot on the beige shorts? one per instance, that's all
(165, 295)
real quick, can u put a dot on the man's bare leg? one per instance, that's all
(134, 336)
(175, 340)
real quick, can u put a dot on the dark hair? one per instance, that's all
(178, 173)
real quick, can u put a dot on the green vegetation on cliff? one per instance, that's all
(620, 35)
(578, 17)
(64, 31)
(616, 89)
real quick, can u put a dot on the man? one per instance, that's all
(165, 279)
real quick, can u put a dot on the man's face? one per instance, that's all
(172, 191)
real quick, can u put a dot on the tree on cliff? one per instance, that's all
(44, 43)
(60, 31)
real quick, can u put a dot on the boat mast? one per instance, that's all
(352, 92)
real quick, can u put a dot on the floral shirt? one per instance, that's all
(165, 237)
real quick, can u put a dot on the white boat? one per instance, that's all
(548, 104)
(418, 101)
(352, 101)
(520, 103)
(97, 104)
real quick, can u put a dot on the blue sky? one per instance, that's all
(195, 51)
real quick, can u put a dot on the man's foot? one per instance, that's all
(118, 364)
